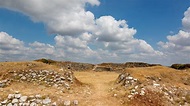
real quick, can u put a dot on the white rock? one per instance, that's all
(15, 101)
(156, 85)
(75, 102)
(15, 104)
(67, 103)
(23, 98)
(17, 96)
(10, 104)
(142, 92)
(20, 104)
(23, 78)
(130, 96)
(33, 104)
(4, 102)
(129, 78)
(25, 104)
(11, 96)
(46, 101)
(54, 104)
(38, 96)
(115, 95)
(39, 101)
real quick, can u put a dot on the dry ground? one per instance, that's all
(101, 83)
(97, 86)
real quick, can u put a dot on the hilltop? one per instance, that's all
(58, 83)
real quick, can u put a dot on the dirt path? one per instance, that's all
(101, 84)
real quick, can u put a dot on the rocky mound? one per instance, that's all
(152, 90)
(36, 84)
(40, 77)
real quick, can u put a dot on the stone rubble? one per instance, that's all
(171, 94)
(45, 77)
(21, 100)
(33, 100)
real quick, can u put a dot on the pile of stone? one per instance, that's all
(171, 95)
(125, 79)
(20, 100)
(41, 77)
(49, 78)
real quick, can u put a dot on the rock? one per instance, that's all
(4, 102)
(15, 104)
(23, 78)
(15, 101)
(33, 104)
(11, 96)
(67, 103)
(130, 96)
(2, 85)
(46, 101)
(17, 96)
(38, 96)
(142, 92)
(54, 104)
(23, 98)
(115, 95)
(10, 104)
(75, 102)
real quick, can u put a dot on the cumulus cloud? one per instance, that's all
(79, 35)
(11, 48)
(65, 17)
(177, 48)
(186, 20)
(110, 30)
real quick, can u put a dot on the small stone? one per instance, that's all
(15, 101)
(33, 104)
(54, 104)
(130, 96)
(142, 92)
(4, 102)
(38, 96)
(75, 102)
(17, 92)
(67, 103)
(46, 101)
(2, 85)
(20, 104)
(17, 96)
(23, 98)
(25, 104)
(11, 96)
(15, 104)
(38, 101)
(115, 95)
(10, 104)
(23, 78)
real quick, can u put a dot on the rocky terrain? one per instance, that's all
(53, 83)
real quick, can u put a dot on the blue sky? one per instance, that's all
(87, 30)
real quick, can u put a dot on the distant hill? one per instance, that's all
(180, 66)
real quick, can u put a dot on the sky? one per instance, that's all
(95, 31)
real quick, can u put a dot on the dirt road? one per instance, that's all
(101, 83)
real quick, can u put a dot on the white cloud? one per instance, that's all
(186, 20)
(81, 37)
(177, 48)
(110, 30)
(11, 48)
(65, 17)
